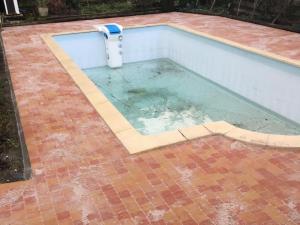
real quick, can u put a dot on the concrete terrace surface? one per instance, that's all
(83, 175)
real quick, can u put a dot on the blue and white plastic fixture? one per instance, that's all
(113, 34)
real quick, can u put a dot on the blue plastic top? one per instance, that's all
(113, 29)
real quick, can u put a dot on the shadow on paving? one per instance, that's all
(14, 161)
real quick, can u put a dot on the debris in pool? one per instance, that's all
(137, 91)
(238, 125)
(156, 74)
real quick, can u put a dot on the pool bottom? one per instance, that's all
(159, 95)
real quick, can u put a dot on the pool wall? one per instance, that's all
(74, 57)
(88, 49)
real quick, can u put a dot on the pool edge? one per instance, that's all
(136, 142)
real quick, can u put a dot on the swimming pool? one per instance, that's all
(173, 79)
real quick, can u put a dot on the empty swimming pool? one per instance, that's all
(174, 79)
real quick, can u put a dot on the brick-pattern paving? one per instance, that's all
(83, 175)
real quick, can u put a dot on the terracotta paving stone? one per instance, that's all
(82, 174)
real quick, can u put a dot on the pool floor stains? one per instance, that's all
(83, 175)
(160, 95)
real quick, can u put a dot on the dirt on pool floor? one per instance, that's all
(11, 157)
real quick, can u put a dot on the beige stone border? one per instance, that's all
(136, 142)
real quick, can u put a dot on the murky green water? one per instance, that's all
(160, 95)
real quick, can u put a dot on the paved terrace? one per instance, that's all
(83, 175)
